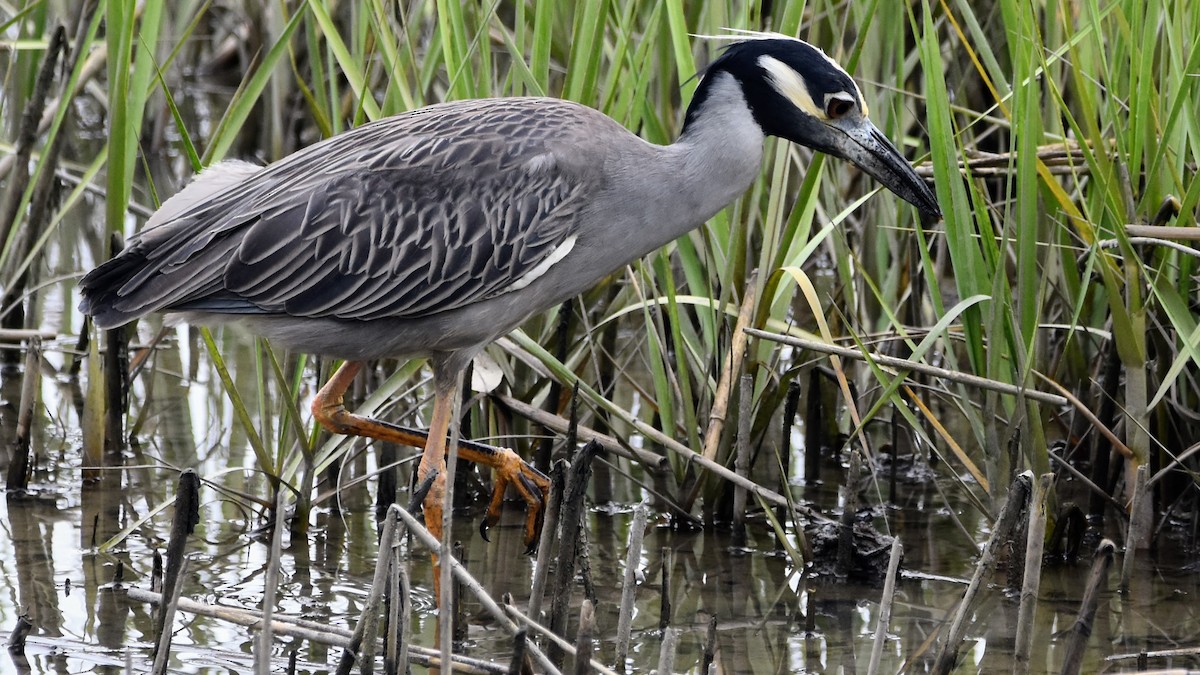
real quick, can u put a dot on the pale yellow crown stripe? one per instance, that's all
(789, 83)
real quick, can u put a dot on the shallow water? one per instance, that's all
(58, 569)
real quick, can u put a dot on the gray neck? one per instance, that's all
(712, 163)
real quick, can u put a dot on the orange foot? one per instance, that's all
(531, 484)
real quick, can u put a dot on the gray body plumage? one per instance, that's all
(433, 232)
(429, 233)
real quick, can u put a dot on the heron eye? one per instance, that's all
(836, 107)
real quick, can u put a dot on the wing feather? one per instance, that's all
(421, 213)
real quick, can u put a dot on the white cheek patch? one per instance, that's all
(791, 85)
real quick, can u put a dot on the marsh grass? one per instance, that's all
(1085, 112)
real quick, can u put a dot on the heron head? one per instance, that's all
(796, 92)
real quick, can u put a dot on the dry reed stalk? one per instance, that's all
(19, 467)
(362, 641)
(166, 613)
(633, 554)
(568, 543)
(561, 425)
(1018, 496)
(396, 642)
(708, 664)
(262, 659)
(845, 549)
(187, 515)
(666, 654)
(519, 663)
(885, 606)
(1137, 535)
(814, 429)
(541, 568)
(1035, 541)
(724, 391)
(460, 612)
(741, 462)
(664, 598)
(656, 436)
(1078, 636)
(914, 366)
(16, 639)
(791, 406)
(470, 583)
(583, 639)
(516, 615)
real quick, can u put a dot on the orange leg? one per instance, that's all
(509, 468)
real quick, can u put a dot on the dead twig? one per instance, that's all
(633, 554)
(1082, 629)
(885, 606)
(1035, 540)
(568, 542)
(517, 615)
(541, 568)
(913, 366)
(471, 584)
(1018, 496)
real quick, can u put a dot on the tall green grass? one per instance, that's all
(1084, 110)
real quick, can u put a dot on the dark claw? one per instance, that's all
(483, 529)
(421, 491)
(532, 548)
(534, 470)
(532, 488)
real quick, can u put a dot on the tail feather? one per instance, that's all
(99, 290)
(138, 281)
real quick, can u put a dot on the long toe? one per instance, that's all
(492, 516)
(510, 469)
(535, 512)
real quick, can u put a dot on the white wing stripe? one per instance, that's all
(546, 263)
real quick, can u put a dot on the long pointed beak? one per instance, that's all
(861, 142)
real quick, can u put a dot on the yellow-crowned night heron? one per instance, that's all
(434, 232)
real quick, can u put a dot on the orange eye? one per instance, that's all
(837, 107)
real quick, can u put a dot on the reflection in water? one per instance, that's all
(771, 617)
(32, 531)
